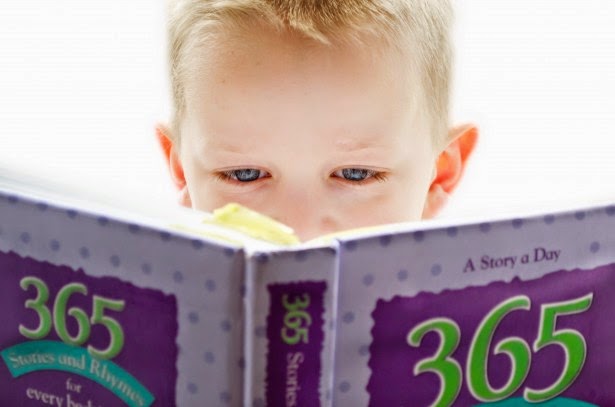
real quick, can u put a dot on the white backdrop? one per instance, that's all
(83, 83)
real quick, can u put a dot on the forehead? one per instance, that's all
(243, 51)
(255, 74)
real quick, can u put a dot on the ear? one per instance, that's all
(171, 156)
(449, 167)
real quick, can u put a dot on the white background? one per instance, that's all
(82, 85)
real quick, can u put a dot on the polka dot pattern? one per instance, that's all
(348, 317)
(178, 276)
(209, 357)
(54, 245)
(146, 268)
(115, 261)
(484, 227)
(436, 269)
(84, 252)
(225, 325)
(368, 280)
(192, 388)
(351, 245)
(193, 317)
(25, 237)
(402, 275)
(594, 247)
(225, 397)
(262, 258)
(301, 256)
(385, 240)
(260, 331)
(210, 285)
(579, 215)
(197, 244)
(452, 231)
(344, 387)
(517, 223)
(549, 219)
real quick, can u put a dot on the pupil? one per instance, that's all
(247, 174)
(354, 174)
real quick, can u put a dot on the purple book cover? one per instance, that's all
(541, 340)
(98, 311)
(74, 340)
(512, 312)
(102, 310)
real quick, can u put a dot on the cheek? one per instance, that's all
(411, 199)
(206, 196)
(210, 195)
(393, 206)
(201, 189)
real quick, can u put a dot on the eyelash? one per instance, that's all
(228, 176)
(374, 176)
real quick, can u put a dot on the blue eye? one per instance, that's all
(356, 174)
(359, 175)
(247, 174)
(243, 175)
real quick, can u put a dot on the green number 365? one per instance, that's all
(450, 373)
(57, 317)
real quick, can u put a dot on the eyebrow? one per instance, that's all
(225, 146)
(340, 144)
(348, 144)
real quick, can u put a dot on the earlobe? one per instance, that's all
(171, 156)
(449, 167)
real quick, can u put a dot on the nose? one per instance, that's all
(305, 210)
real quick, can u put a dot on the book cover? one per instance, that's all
(510, 312)
(103, 307)
(101, 311)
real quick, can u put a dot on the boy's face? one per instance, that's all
(321, 139)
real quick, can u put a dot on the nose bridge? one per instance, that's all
(296, 200)
(300, 206)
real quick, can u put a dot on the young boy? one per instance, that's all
(323, 114)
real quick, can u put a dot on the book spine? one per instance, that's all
(291, 302)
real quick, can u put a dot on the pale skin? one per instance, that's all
(320, 138)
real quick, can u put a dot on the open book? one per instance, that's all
(102, 306)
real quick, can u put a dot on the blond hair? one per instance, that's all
(421, 24)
